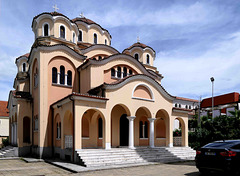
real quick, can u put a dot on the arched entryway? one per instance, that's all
(162, 128)
(142, 127)
(119, 125)
(179, 132)
(68, 130)
(124, 130)
(93, 129)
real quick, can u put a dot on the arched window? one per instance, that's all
(69, 78)
(190, 107)
(54, 75)
(119, 72)
(99, 57)
(100, 128)
(124, 71)
(105, 41)
(186, 107)
(113, 72)
(57, 131)
(45, 30)
(24, 67)
(95, 38)
(80, 36)
(141, 129)
(146, 129)
(62, 32)
(73, 37)
(130, 72)
(148, 59)
(179, 105)
(60, 129)
(176, 105)
(62, 75)
(136, 56)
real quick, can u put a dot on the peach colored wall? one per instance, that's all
(107, 73)
(160, 128)
(85, 127)
(51, 27)
(142, 92)
(58, 91)
(96, 52)
(84, 32)
(85, 79)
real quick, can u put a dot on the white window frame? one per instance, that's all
(43, 29)
(60, 31)
(74, 37)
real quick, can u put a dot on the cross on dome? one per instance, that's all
(55, 8)
(81, 15)
(138, 39)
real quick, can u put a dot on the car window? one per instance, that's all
(219, 144)
(236, 147)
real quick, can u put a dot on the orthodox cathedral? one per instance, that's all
(74, 91)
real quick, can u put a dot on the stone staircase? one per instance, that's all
(8, 151)
(138, 156)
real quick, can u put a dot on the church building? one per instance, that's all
(74, 91)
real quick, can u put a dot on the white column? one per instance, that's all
(116, 74)
(151, 141)
(65, 79)
(131, 132)
(58, 78)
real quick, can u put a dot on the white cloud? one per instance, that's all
(197, 13)
(192, 75)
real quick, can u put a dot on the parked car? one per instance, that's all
(219, 156)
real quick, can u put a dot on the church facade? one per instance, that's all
(74, 91)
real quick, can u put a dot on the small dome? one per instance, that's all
(85, 20)
(138, 44)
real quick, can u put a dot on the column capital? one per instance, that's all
(131, 117)
(151, 119)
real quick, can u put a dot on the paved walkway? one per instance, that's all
(20, 168)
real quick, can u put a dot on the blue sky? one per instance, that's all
(193, 40)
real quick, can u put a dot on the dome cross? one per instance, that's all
(55, 8)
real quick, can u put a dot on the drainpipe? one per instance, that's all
(52, 110)
(73, 110)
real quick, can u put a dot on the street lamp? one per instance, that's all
(212, 80)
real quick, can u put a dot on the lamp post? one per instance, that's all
(212, 80)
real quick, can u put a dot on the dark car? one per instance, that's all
(219, 156)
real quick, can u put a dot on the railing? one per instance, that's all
(68, 141)
(177, 141)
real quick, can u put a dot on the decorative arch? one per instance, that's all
(119, 125)
(162, 127)
(143, 92)
(182, 126)
(93, 129)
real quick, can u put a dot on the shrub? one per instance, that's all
(5, 142)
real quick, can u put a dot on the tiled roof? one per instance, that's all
(25, 55)
(221, 100)
(85, 20)
(50, 13)
(186, 99)
(138, 44)
(3, 109)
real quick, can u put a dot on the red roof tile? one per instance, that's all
(221, 100)
(3, 108)
(186, 99)
(85, 20)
